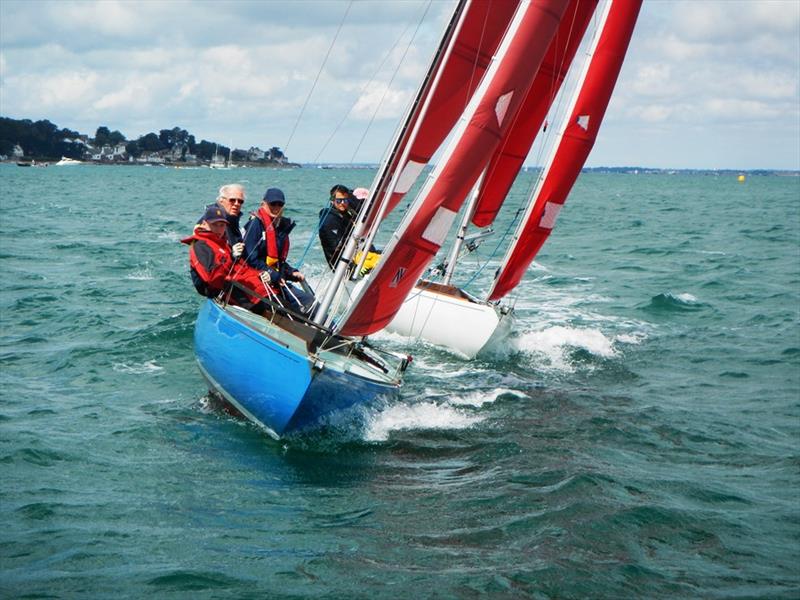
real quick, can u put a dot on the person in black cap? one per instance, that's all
(266, 248)
(213, 263)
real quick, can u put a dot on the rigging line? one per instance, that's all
(496, 248)
(311, 237)
(361, 92)
(389, 85)
(316, 79)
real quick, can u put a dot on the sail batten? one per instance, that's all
(575, 141)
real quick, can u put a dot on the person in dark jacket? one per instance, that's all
(266, 248)
(336, 221)
(214, 264)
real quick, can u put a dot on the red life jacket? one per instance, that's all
(222, 269)
(213, 275)
(277, 255)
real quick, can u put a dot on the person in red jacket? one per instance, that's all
(214, 263)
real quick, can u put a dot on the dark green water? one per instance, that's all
(638, 438)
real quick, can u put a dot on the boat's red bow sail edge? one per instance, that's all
(484, 124)
(577, 138)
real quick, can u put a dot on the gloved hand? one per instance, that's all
(237, 250)
(272, 278)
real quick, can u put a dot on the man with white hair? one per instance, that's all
(231, 199)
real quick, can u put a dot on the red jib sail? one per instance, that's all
(577, 137)
(465, 53)
(479, 132)
(508, 159)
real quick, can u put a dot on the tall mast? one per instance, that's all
(452, 260)
(412, 117)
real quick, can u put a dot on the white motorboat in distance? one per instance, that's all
(68, 161)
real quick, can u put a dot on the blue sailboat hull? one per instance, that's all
(269, 375)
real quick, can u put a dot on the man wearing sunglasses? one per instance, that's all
(335, 223)
(266, 243)
(231, 200)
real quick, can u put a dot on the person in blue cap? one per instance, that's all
(266, 248)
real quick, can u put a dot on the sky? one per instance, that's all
(707, 84)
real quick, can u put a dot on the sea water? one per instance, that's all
(638, 435)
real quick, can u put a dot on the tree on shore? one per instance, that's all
(104, 137)
(43, 140)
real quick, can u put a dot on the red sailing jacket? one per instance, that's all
(210, 258)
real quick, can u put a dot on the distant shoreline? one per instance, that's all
(262, 165)
(255, 165)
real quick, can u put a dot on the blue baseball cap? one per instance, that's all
(214, 213)
(274, 196)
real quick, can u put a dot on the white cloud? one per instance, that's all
(380, 102)
(243, 70)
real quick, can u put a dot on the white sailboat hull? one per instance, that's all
(447, 316)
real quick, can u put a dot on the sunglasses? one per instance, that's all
(276, 203)
(236, 200)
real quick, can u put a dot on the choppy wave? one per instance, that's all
(669, 302)
(479, 398)
(557, 342)
(141, 275)
(422, 416)
(146, 368)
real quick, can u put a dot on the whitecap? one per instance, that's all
(479, 398)
(141, 275)
(554, 342)
(635, 337)
(686, 298)
(425, 416)
(146, 368)
(553, 338)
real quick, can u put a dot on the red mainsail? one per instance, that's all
(510, 156)
(576, 140)
(482, 127)
(466, 51)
